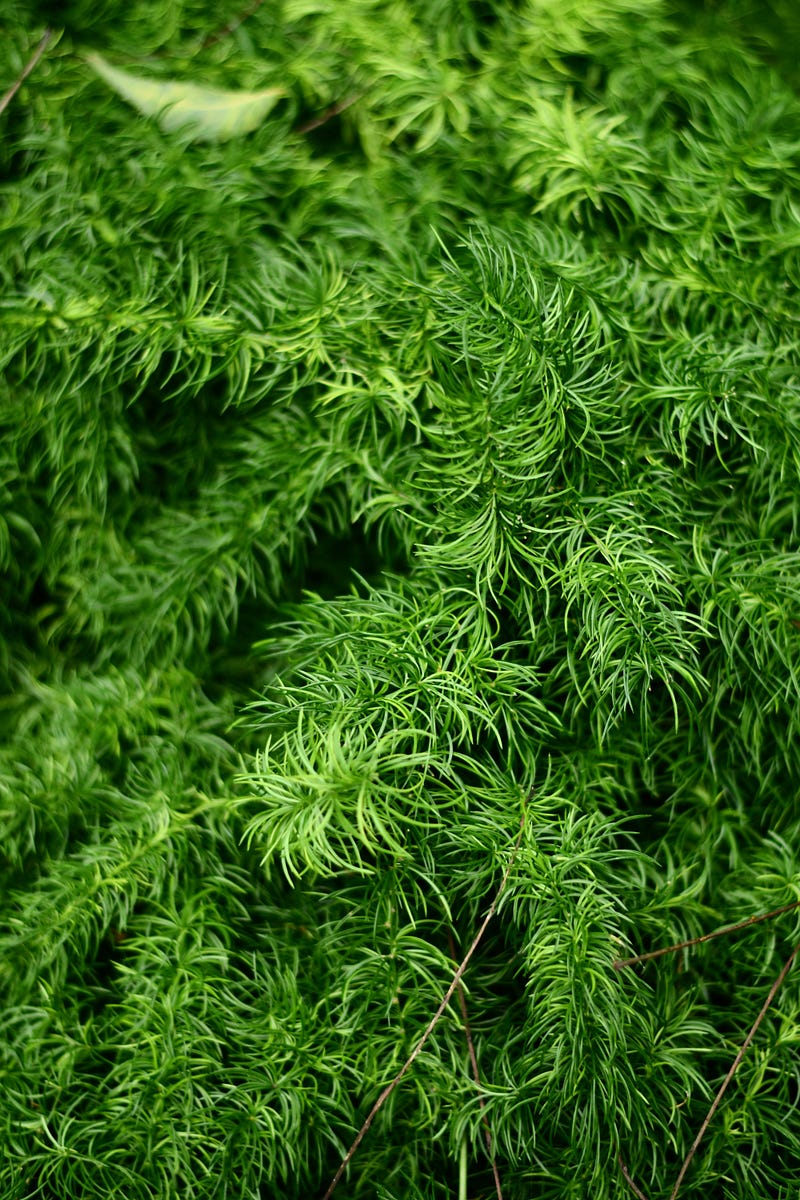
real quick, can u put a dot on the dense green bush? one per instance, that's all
(427, 457)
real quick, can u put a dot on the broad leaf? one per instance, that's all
(209, 114)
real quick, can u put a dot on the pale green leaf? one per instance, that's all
(207, 113)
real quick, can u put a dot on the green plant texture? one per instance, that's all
(422, 458)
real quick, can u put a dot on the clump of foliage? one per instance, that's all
(426, 457)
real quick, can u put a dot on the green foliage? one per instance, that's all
(364, 487)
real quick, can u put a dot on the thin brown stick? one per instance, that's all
(387, 1091)
(637, 1191)
(717, 1099)
(26, 70)
(213, 38)
(328, 114)
(619, 963)
(473, 1058)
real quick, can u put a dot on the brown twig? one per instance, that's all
(637, 1191)
(717, 1099)
(26, 70)
(387, 1091)
(328, 114)
(473, 1058)
(619, 963)
(213, 38)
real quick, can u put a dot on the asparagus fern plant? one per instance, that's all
(424, 460)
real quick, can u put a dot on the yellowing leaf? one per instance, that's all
(207, 113)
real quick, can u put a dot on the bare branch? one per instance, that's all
(717, 1099)
(473, 1058)
(328, 114)
(637, 1191)
(213, 38)
(619, 963)
(387, 1091)
(26, 70)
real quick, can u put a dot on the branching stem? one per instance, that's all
(619, 963)
(744, 1047)
(434, 1021)
(473, 1058)
(717, 1099)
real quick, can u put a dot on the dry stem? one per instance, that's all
(772, 991)
(473, 1058)
(213, 38)
(387, 1091)
(26, 70)
(619, 963)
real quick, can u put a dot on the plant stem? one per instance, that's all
(26, 70)
(473, 1058)
(415, 1053)
(213, 38)
(717, 1099)
(619, 963)
(637, 1191)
